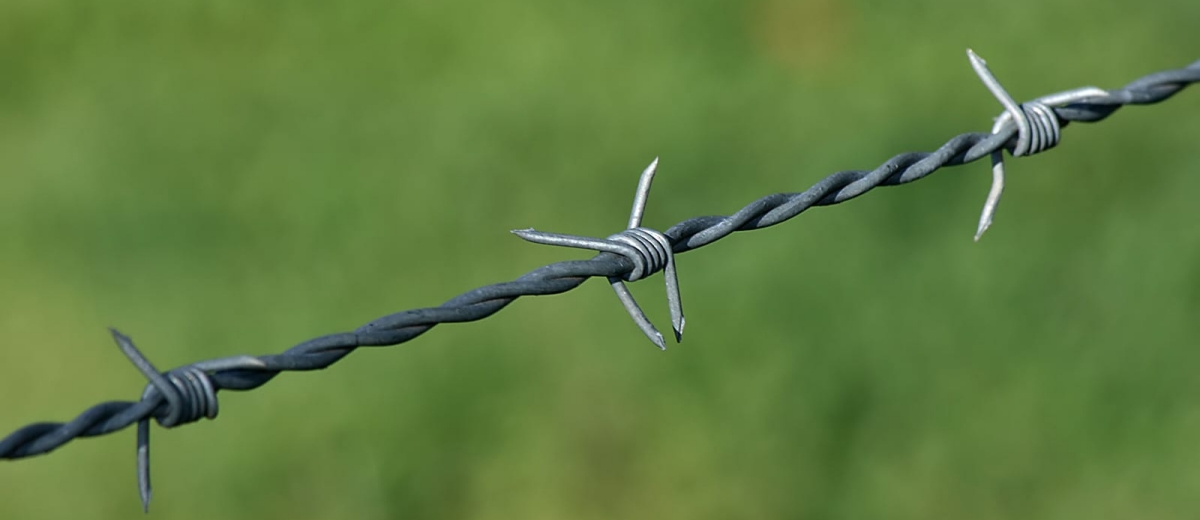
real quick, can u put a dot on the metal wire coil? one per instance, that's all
(1044, 129)
(652, 248)
(193, 390)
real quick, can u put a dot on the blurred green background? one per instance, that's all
(222, 178)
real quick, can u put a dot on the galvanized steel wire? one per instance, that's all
(188, 393)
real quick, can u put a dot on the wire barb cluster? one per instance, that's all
(1038, 128)
(648, 250)
(188, 393)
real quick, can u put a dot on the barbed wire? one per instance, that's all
(188, 393)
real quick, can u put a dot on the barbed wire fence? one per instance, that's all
(188, 393)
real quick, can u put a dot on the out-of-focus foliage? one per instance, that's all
(233, 177)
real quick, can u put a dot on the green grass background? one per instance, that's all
(219, 178)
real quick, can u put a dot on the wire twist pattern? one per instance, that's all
(189, 393)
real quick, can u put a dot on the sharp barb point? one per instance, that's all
(642, 195)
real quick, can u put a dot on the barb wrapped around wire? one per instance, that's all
(648, 250)
(188, 393)
(1038, 129)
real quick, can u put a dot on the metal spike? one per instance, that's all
(642, 194)
(1014, 112)
(674, 302)
(157, 380)
(143, 463)
(993, 198)
(1010, 105)
(635, 312)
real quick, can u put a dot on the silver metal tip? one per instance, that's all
(527, 234)
(983, 226)
(658, 340)
(975, 57)
(642, 194)
(650, 170)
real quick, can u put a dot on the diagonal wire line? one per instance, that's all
(194, 386)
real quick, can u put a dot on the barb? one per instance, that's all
(647, 249)
(1038, 128)
(187, 393)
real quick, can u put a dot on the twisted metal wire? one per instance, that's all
(188, 393)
